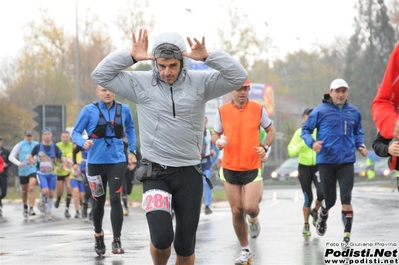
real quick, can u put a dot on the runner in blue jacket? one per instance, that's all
(339, 135)
(105, 122)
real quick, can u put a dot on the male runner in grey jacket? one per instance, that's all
(171, 109)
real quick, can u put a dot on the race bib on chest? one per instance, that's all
(157, 200)
(46, 167)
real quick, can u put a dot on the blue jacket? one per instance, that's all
(340, 129)
(104, 150)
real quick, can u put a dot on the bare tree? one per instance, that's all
(238, 36)
(44, 73)
(42, 69)
(136, 15)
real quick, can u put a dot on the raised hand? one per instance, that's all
(198, 50)
(140, 46)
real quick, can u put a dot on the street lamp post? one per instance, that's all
(77, 70)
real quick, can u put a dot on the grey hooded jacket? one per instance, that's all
(171, 117)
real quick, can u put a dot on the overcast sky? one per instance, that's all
(292, 24)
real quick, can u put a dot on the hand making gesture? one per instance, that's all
(140, 46)
(198, 50)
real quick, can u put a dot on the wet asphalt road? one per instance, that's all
(70, 241)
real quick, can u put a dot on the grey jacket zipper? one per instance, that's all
(173, 102)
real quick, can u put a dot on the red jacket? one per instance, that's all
(386, 102)
(1, 164)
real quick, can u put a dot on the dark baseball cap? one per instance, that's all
(28, 133)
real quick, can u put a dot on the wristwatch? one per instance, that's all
(133, 152)
(266, 147)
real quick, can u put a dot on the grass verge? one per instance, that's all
(136, 195)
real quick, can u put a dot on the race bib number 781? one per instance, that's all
(157, 200)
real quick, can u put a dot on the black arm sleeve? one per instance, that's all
(75, 151)
(380, 146)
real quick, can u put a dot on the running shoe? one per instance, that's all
(345, 242)
(244, 258)
(77, 215)
(84, 210)
(126, 212)
(25, 213)
(208, 210)
(41, 207)
(306, 230)
(117, 246)
(31, 212)
(48, 216)
(253, 227)
(321, 226)
(57, 203)
(314, 215)
(99, 245)
(67, 214)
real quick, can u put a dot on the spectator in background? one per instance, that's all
(339, 135)
(63, 177)
(26, 171)
(307, 169)
(4, 166)
(207, 153)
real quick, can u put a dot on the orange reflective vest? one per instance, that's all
(242, 131)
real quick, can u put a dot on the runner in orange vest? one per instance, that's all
(239, 121)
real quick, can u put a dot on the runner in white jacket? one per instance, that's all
(171, 109)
